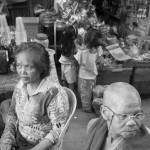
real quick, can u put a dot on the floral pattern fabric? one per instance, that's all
(38, 116)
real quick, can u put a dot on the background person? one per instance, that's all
(120, 125)
(39, 107)
(69, 65)
(88, 55)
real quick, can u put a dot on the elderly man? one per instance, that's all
(120, 125)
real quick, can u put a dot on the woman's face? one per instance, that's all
(28, 73)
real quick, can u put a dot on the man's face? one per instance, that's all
(125, 127)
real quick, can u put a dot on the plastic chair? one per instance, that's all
(72, 107)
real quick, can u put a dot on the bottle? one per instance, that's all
(42, 39)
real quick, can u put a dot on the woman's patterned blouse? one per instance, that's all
(40, 115)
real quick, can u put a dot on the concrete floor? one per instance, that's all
(75, 137)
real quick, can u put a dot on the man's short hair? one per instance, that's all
(121, 89)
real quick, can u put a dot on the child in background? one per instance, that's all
(69, 64)
(87, 60)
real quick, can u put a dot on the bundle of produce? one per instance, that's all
(102, 42)
(98, 91)
(97, 102)
(105, 64)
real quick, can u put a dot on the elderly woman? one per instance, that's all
(39, 107)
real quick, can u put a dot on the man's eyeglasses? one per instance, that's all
(125, 117)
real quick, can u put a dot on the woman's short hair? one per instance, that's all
(41, 60)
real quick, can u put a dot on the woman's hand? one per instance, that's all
(6, 147)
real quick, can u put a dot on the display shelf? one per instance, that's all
(140, 78)
(141, 64)
(110, 76)
(136, 10)
(140, 8)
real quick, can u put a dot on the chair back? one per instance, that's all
(4, 108)
(72, 107)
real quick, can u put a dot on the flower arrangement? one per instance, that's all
(80, 14)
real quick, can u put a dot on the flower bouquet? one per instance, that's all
(80, 14)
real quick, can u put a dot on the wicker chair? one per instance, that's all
(72, 105)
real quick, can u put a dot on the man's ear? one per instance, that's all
(104, 112)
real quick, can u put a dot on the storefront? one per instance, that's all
(121, 22)
(128, 18)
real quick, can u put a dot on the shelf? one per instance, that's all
(142, 64)
(109, 76)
